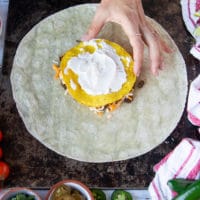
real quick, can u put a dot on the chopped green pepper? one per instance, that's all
(121, 195)
(179, 185)
(98, 194)
(192, 192)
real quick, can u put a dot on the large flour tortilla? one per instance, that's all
(71, 129)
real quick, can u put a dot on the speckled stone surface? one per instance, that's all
(32, 164)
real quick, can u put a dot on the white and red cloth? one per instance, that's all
(193, 105)
(182, 162)
(189, 8)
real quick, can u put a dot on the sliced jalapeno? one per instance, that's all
(98, 194)
(121, 195)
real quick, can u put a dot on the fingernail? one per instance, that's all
(84, 37)
(137, 73)
(155, 73)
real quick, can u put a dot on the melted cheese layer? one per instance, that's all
(118, 77)
(100, 72)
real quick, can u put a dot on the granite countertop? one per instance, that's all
(31, 163)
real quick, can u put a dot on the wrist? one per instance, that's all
(122, 1)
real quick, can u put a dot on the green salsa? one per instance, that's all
(22, 196)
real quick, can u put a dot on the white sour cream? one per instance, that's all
(101, 72)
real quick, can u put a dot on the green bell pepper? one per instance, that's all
(179, 184)
(192, 192)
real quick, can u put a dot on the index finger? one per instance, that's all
(135, 38)
(96, 25)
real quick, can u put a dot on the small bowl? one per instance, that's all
(12, 192)
(74, 184)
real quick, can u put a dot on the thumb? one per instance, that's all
(95, 27)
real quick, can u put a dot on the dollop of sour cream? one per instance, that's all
(101, 72)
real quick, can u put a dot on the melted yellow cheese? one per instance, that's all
(96, 100)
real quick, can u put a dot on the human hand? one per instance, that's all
(130, 15)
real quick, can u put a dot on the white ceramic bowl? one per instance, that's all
(12, 192)
(77, 185)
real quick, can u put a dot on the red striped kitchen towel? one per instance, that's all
(191, 17)
(182, 162)
(193, 105)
